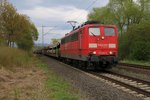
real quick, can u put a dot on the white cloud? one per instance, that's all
(61, 13)
(52, 13)
(33, 2)
(57, 14)
(56, 33)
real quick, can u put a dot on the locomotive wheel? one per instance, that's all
(96, 66)
(64, 60)
(84, 65)
(80, 64)
(75, 63)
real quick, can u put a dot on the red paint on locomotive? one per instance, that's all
(97, 39)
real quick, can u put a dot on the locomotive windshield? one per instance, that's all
(109, 32)
(94, 31)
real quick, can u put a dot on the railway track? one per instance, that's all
(128, 84)
(134, 86)
(134, 66)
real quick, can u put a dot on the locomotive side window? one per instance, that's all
(74, 37)
(70, 38)
(67, 39)
(109, 32)
(62, 41)
(94, 31)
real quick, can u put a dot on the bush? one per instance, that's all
(140, 51)
(10, 57)
(135, 43)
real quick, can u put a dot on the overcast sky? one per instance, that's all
(55, 14)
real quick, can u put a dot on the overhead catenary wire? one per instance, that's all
(50, 30)
(90, 5)
(86, 9)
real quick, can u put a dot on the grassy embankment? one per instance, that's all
(145, 63)
(25, 77)
(11, 57)
(58, 88)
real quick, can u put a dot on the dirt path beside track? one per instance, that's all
(22, 84)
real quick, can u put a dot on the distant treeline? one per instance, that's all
(16, 29)
(133, 20)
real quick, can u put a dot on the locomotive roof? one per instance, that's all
(86, 25)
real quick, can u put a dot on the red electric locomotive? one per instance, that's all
(91, 45)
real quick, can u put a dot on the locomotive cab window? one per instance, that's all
(109, 32)
(94, 31)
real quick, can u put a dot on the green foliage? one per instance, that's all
(145, 63)
(55, 41)
(140, 51)
(25, 43)
(123, 13)
(102, 15)
(135, 43)
(16, 28)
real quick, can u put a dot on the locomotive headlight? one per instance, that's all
(102, 37)
(94, 52)
(110, 52)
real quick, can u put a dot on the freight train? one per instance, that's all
(91, 45)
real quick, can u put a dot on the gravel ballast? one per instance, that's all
(93, 88)
(133, 72)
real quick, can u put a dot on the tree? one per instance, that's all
(16, 28)
(123, 13)
(102, 15)
(34, 31)
(135, 42)
(9, 17)
(28, 33)
(55, 41)
(145, 8)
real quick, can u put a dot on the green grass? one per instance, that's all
(57, 87)
(145, 63)
(10, 57)
(16, 94)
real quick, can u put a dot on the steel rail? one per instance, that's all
(127, 85)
